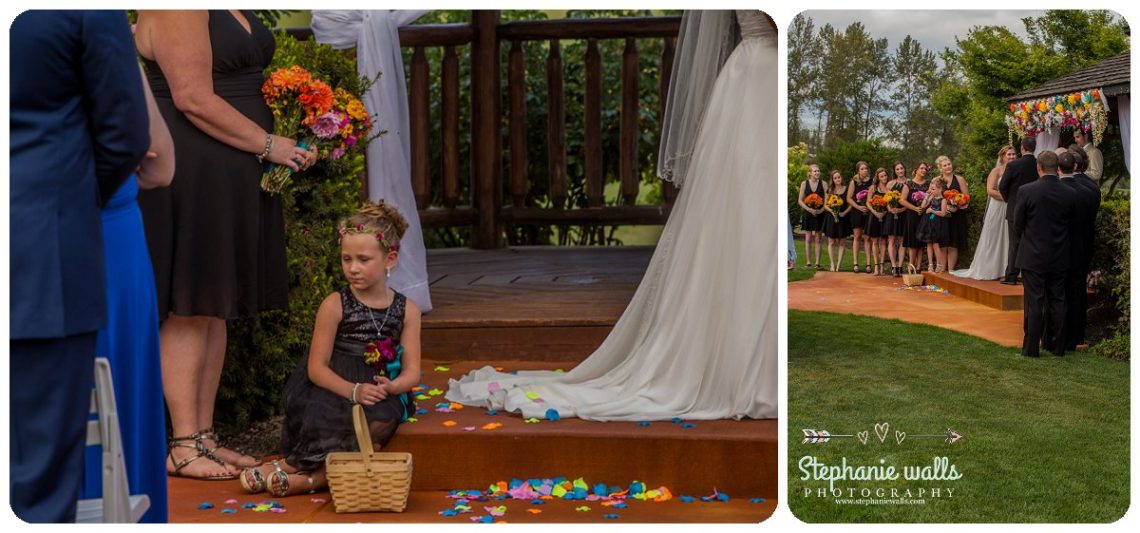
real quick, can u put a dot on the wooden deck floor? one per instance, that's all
(532, 303)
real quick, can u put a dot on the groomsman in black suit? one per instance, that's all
(1018, 172)
(1087, 194)
(1043, 218)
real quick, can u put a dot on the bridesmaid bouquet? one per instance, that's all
(917, 197)
(861, 197)
(834, 201)
(892, 199)
(879, 202)
(813, 201)
(310, 110)
(957, 199)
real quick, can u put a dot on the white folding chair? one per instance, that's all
(116, 505)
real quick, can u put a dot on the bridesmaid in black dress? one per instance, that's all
(813, 217)
(836, 223)
(859, 213)
(216, 240)
(959, 221)
(913, 206)
(894, 226)
(874, 228)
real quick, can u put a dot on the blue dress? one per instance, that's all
(130, 342)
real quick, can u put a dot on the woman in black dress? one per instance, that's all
(216, 240)
(836, 223)
(813, 217)
(959, 220)
(913, 205)
(859, 212)
(876, 223)
(893, 224)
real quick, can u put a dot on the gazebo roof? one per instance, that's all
(1110, 75)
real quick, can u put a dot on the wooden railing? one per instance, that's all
(486, 34)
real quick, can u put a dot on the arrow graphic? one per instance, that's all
(820, 436)
(951, 436)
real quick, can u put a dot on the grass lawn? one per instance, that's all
(1044, 440)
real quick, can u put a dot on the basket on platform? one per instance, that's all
(368, 481)
(913, 277)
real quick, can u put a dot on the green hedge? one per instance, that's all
(1112, 257)
(263, 350)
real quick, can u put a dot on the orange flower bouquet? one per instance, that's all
(302, 108)
(813, 201)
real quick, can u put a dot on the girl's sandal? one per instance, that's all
(279, 482)
(252, 480)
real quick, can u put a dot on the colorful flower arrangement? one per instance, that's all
(310, 110)
(861, 197)
(917, 197)
(878, 202)
(380, 352)
(892, 199)
(1081, 109)
(813, 201)
(834, 201)
(960, 200)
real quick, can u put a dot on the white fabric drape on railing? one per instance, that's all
(1124, 112)
(1047, 141)
(375, 34)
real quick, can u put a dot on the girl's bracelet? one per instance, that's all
(354, 387)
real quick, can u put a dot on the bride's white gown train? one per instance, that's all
(698, 339)
(992, 250)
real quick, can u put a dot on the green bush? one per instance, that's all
(1116, 348)
(797, 173)
(263, 350)
(1111, 257)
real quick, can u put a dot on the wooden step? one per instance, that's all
(528, 303)
(988, 293)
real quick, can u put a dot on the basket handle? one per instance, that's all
(363, 438)
(912, 269)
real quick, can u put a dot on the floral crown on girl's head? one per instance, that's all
(360, 229)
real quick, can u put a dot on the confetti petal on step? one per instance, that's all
(492, 412)
(722, 497)
(498, 369)
(422, 397)
(688, 425)
(688, 499)
(583, 509)
(494, 425)
(532, 396)
(462, 507)
(469, 428)
(442, 368)
(486, 519)
(580, 484)
(205, 505)
(677, 420)
(496, 511)
(444, 404)
(537, 501)
(532, 421)
(534, 511)
(317, 500)
(757, 500)
(644, 424)
(456, 406)
(421, 411)
(621, 505)
(229, 511)
(262, 508)
(449, 423)
(412, 420)
(610, 516)
(443, 410)
(600, 489)
(665, 496)
(652, 494)
(558, 491)
(552, 415)
(250, 505)
(418, 388)
(636, 488)
(449, 512)
(435, 392)
(277, 509)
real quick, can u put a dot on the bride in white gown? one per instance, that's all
(698, 340)
(990, 255)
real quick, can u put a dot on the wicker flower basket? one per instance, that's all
(912, 278)
(368, 481)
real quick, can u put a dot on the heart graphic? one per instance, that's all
(882, 430)
(900, 436)
(862, 436)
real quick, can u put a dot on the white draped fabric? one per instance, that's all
(1124, 112)
(1047, 141)
(698, 339)
(375, 35)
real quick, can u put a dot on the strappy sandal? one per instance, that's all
(252, 480)
(211, 434)
(200, 452)
(279, 481)
(868, 268)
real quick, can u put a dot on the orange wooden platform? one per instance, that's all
(886, 297)
(988, 293)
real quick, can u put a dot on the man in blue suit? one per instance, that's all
(78, 129)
